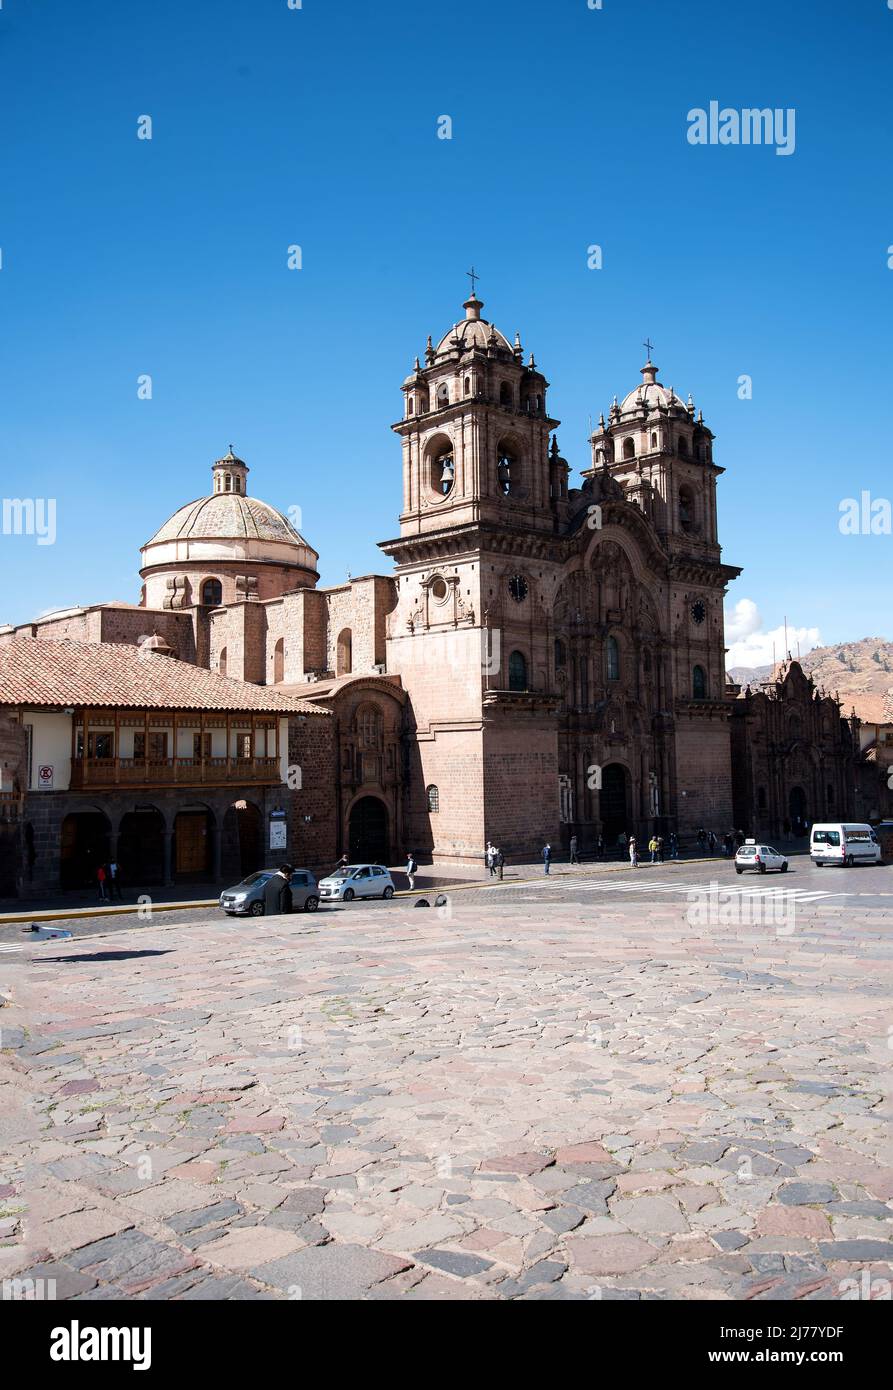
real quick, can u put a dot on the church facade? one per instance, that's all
(542, 660)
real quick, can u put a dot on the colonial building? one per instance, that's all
(126, 754)
(543, 659)
(794, 758)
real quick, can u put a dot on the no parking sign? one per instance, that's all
(45, 774)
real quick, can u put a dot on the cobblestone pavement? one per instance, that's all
(485, 1102)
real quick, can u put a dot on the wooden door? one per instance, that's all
(192, 842)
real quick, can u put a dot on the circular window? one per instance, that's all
(698, 611)
(518, 588)
(439, 589)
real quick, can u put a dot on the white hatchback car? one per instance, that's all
(356, 881)
(760, 858)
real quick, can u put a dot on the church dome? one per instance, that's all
(652, 394)
(229, 526)
(472, 332)
(228, 516)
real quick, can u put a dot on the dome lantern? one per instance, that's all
(230, 474)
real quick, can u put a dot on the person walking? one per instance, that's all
(674, 845)
(711, 841)
(660, 849)
(600, 845)
(499, 861)
(652, 847)
(278, 892)
(491, 859)
(412, 869)
(547, 858)
(100, 879)
(114, 882)
(633, 853)
(575, 858)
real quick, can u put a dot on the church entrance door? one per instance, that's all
(368, 840)
(613, 800)
(797, 811)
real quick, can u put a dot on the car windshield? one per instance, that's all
(255, 878)
(345, 872)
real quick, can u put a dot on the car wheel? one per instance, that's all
(348, 895)
(784, 868)
(738, 871)
(257, 909)
(311, 904)
(762, 868)
(820, 863)
(388, 893)
(848, 861)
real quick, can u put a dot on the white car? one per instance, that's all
(760, 858)
(356, 881)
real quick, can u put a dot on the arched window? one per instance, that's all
(629, 448)
(517, 671)
(279, 661)
(433, 796)
(468, 386)
(344, 653)
(612, 659)
(443, 395)
(560, 654)
(229, 482)
(654, 439)
(505, 395)
(686, 508)
(410, 405)
(506, 470)
(699, 683)
(683, 445)
(212, 593)
(221, 661)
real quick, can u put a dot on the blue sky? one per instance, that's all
(317, 126)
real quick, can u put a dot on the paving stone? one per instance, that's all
(452, 1262)
(856, 1249)
(795, 1194)
(204, 1216)
(617, 1254)
(58, 1280)
(330, 1271)
(131, 1260)
(729, 1240)
(525, 1163)
(649, 1215)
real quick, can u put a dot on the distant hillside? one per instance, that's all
(861, 673)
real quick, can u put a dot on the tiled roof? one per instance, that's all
(228, 515)
(37, 672)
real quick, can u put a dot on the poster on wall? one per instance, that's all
(278, 838)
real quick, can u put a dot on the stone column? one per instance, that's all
(168, 845)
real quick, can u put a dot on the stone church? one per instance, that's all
(541, 660)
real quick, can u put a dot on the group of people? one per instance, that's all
(495, 860)
(108, 879)
(710, 842)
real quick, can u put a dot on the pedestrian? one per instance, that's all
(499, 860)
(278, 892)
(114, 883)
(547, 857)
(674, 845)
(411, 869)
(652, 848)
(600, 845)
(711, 841)
(660, 849)
(491, 859)
(575, 859)
(100, 879)
(342, 864)
(633, 853)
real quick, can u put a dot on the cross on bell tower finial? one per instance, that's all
(648, 345)
(472, 275)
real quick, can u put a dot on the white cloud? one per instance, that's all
(752, 645)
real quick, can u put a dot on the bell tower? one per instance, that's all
(475, 434)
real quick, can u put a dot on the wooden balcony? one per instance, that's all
(171, 772)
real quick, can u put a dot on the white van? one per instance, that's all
(843, 844)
